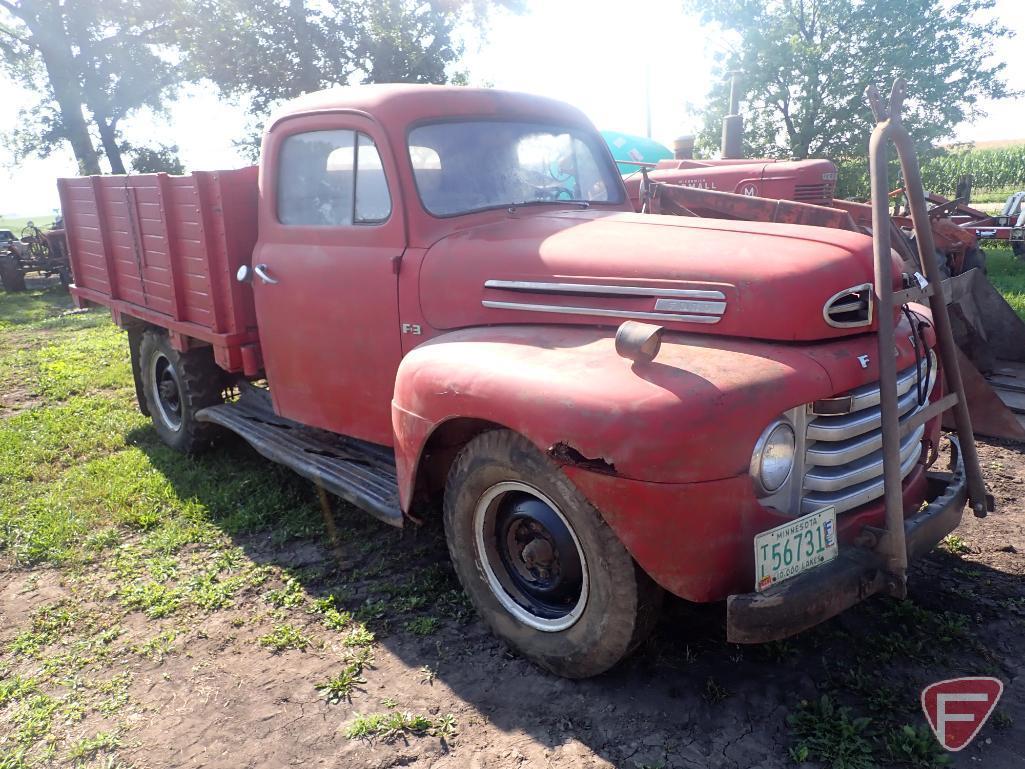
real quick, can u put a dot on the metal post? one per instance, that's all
(893, 545)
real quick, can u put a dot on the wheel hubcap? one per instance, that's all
(532, 559)
(167, 391)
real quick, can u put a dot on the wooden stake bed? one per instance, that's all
(165, 249)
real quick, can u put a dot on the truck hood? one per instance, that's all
(756, 280)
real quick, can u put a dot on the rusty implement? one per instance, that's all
(991, 338)
(692, 201)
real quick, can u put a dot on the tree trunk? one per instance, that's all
(309, 76)
(59, 60)
(108, 137)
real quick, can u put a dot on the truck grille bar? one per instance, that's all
(843, 460)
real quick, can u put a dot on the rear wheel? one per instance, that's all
(543, 569)
(974, 258)
(1017, 248)
(176, 385)
(11, 275)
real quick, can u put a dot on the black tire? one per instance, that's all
(974, 258)
(588, 618)
(11, 275)
(1018, 248)
(176, 385)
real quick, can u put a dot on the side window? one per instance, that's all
(373, 203)
(331, 178)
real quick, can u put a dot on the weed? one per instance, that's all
(388, 726)
(15, 688)
(714, 693)
(359, 636)
(828, 734)
(154, 599)
(427, 675)
(423, 625)
(290, 595)
(158, 646)
(88, 747)
(340, 687)
(445, 726)
(337, 620)
(323, 605)
(284, 637)
(779, 651)
(1000, 719)
(954, 544)
(914, 746)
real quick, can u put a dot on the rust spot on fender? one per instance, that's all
(565, 454)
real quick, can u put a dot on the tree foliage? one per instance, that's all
(271, 50)
(92, 63)
(803, 67)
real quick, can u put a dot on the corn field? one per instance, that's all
(995, 173)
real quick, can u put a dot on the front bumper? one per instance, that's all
(856, 574)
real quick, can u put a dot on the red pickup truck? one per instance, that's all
(438, 293)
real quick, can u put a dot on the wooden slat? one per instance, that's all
(210, 240)
(177, 295)
(108, 254)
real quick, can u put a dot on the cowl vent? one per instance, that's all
(850, 308)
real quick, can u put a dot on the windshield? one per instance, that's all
(474, 165)
(6, 235)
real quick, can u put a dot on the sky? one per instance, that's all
(602, 56)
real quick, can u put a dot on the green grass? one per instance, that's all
(17, 223)
(92, 500)
(1007, 274)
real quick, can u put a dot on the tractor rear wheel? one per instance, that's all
(11, 275)
(974, 258)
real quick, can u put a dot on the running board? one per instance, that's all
(359, 472)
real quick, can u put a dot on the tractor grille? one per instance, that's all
(844, 454)
(814, 193)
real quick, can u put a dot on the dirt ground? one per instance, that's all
(214, 696)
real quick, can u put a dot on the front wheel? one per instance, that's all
(176, 385)
(542, 568)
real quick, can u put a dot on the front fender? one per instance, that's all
(691, 415)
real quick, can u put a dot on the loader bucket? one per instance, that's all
(991, 338)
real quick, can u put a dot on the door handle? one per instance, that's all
(261, 273)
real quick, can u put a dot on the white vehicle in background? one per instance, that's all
(9, 241)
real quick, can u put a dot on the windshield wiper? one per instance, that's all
(578, 203)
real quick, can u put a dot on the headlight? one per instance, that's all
(773, 457)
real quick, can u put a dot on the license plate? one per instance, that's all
(787, 550)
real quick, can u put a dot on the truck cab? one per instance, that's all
(453, 304)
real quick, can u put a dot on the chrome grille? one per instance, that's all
(814, 193)
(849, 308)
(843, 457)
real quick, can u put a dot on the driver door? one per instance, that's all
(331, 234)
